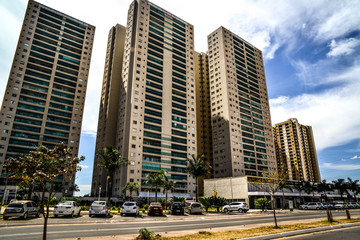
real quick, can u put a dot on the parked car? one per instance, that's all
(241, 207)
(328, 205)
(67, 208)
(339, 205)
(21, 209)
(354, 205)
(155, 208)
(177, 208)
(194, 207)
(99, 208)
(312, 205)
(130, 208)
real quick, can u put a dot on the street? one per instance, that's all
(92, 227)
(351, 233)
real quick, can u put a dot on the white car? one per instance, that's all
(130, 208)
(68, 208)
(241, 207)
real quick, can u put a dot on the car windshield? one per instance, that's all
(155, 204)
(15, 205)
(129, 204)
(176, 204)
(98, 203)
(196, 205)
(65, 203)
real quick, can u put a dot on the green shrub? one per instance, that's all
(85, 208)
(145, 234)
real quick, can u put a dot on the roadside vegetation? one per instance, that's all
(253, 232)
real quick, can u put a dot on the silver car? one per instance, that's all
(241, 207)
(21, 209)
(194, 207)
(312, 205)
(99, 208)
(68, 208)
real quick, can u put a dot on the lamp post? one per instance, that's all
(107, 184)
(99, 192)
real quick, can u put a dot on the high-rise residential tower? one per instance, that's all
(45, 93)
(295, 151)
(240, 114)
(110, 100)
(157, 117)
(203, 112)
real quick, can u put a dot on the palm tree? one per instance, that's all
(168, 185)
(156, 180)
(342, 186)
(324, 187)
(282, 186)
(353, 186)
(300, 187)
(111, 160)
(197, 167)
(313, 186)
(131, 187)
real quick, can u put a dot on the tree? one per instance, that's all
(168, 185)
(271, 183)
(341, 186)
(132, 187)
(156, 180)
(206, 202)
(197, 167)
(262, 203)
(111, 160)
(49, 165)
(353, 187)
(325, 187)
(300, 187)
(282, 186)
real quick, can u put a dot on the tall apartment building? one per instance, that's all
(240, 114)
(45, 93)
(157, 118)
(203, 112)
(295, 151)
(110, 99)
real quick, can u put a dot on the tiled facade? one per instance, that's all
(295, 151)
(45, 94)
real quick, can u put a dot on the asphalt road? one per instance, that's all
(352, 233)
(92, 229)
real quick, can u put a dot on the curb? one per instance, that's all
(300, 232)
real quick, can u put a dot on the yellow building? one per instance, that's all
(295, 151)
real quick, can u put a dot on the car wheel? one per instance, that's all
(90, 215)
(72, 214)
(79, 213)
(121, 214)
(25, 216)
(226, 210)
(38, 214)
(5, 218)
(240, 210)
(317, 208)
(305, 208)
(55, 215)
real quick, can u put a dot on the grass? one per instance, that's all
(253, 232)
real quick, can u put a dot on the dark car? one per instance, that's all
(155, 208)
(177, 208)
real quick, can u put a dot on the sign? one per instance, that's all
(291, 205)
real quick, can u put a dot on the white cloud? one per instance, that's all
(355, 157)
(344, 47)
(333, 114)
(84, 166)
(344, 167)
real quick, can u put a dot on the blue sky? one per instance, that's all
(310, 48)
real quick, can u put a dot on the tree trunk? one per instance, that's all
(273, 205)
(283, 200)
(109, 186)
(30, 191)
(156, 194)
(166, 200)
(196, 188)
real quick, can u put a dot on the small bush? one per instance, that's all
(85, 208)
(145, 234)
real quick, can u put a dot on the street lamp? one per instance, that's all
(107, 181)
(99, 192)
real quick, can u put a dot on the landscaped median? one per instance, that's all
(254, 232)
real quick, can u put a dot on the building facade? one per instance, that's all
(295, 151)
(156, 115)
(240, 115)
(45, 93)
(109, 102)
